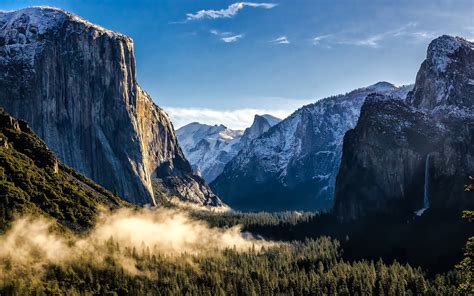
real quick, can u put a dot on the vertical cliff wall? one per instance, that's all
(383, 167)
(75, 84)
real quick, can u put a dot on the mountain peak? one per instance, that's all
(260, 125)
(382, 86)
(41, 19)
(272, 120)
(445, 77)
(441, 49)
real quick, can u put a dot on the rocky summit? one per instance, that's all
(407, 158)
(75, 84)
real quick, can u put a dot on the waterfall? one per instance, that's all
(426, 193)
(426, 188)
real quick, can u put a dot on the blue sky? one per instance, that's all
(220, 61)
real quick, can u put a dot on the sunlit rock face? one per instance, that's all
(400, 150)
(75, 84)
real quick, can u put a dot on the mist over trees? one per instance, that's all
(313, 267)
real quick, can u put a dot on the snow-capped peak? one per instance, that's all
(260, 125)
(272, 120)
(23, 32)
(40, 19)
(441, 49)
(297, 160)
(210, 147)
(382, 86)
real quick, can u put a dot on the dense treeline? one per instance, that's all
(313, 267)
(466, 266)
(405, 240)
(249, 219)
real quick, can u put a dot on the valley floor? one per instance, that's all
(306, 266)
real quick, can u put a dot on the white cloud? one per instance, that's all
(372, 41)
(227, 37)
(230, 11)
(235, 119)
(375, 40)
(233, 38)
(317, 40)
(281, 40)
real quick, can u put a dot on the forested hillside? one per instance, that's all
(34, 181)
(299, 268)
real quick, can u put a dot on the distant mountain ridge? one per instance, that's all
(209, 148)
(294, 165)
(75, 84)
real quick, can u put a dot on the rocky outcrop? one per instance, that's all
(446, 77)
(75, 84)
(261, 124)
(293, 166)
(397, 147)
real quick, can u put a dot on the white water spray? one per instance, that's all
(426, 189)
(426, 193)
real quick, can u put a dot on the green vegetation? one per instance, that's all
(308, 262)
(249, 219)
(314, 267)
(466, 267)
(32, 181)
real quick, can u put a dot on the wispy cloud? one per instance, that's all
(233, 38)
(227, 37)
(372, 41)
(219, 33)
(375, 40)
(317, 40)
(281, 40)
(228, 12)
(235, 119)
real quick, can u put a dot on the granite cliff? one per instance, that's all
(75, 84)
(412, 157)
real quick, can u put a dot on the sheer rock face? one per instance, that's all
(293, 165)
(446, 77)
(75, 84)
(384, 158)
(261, 124)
